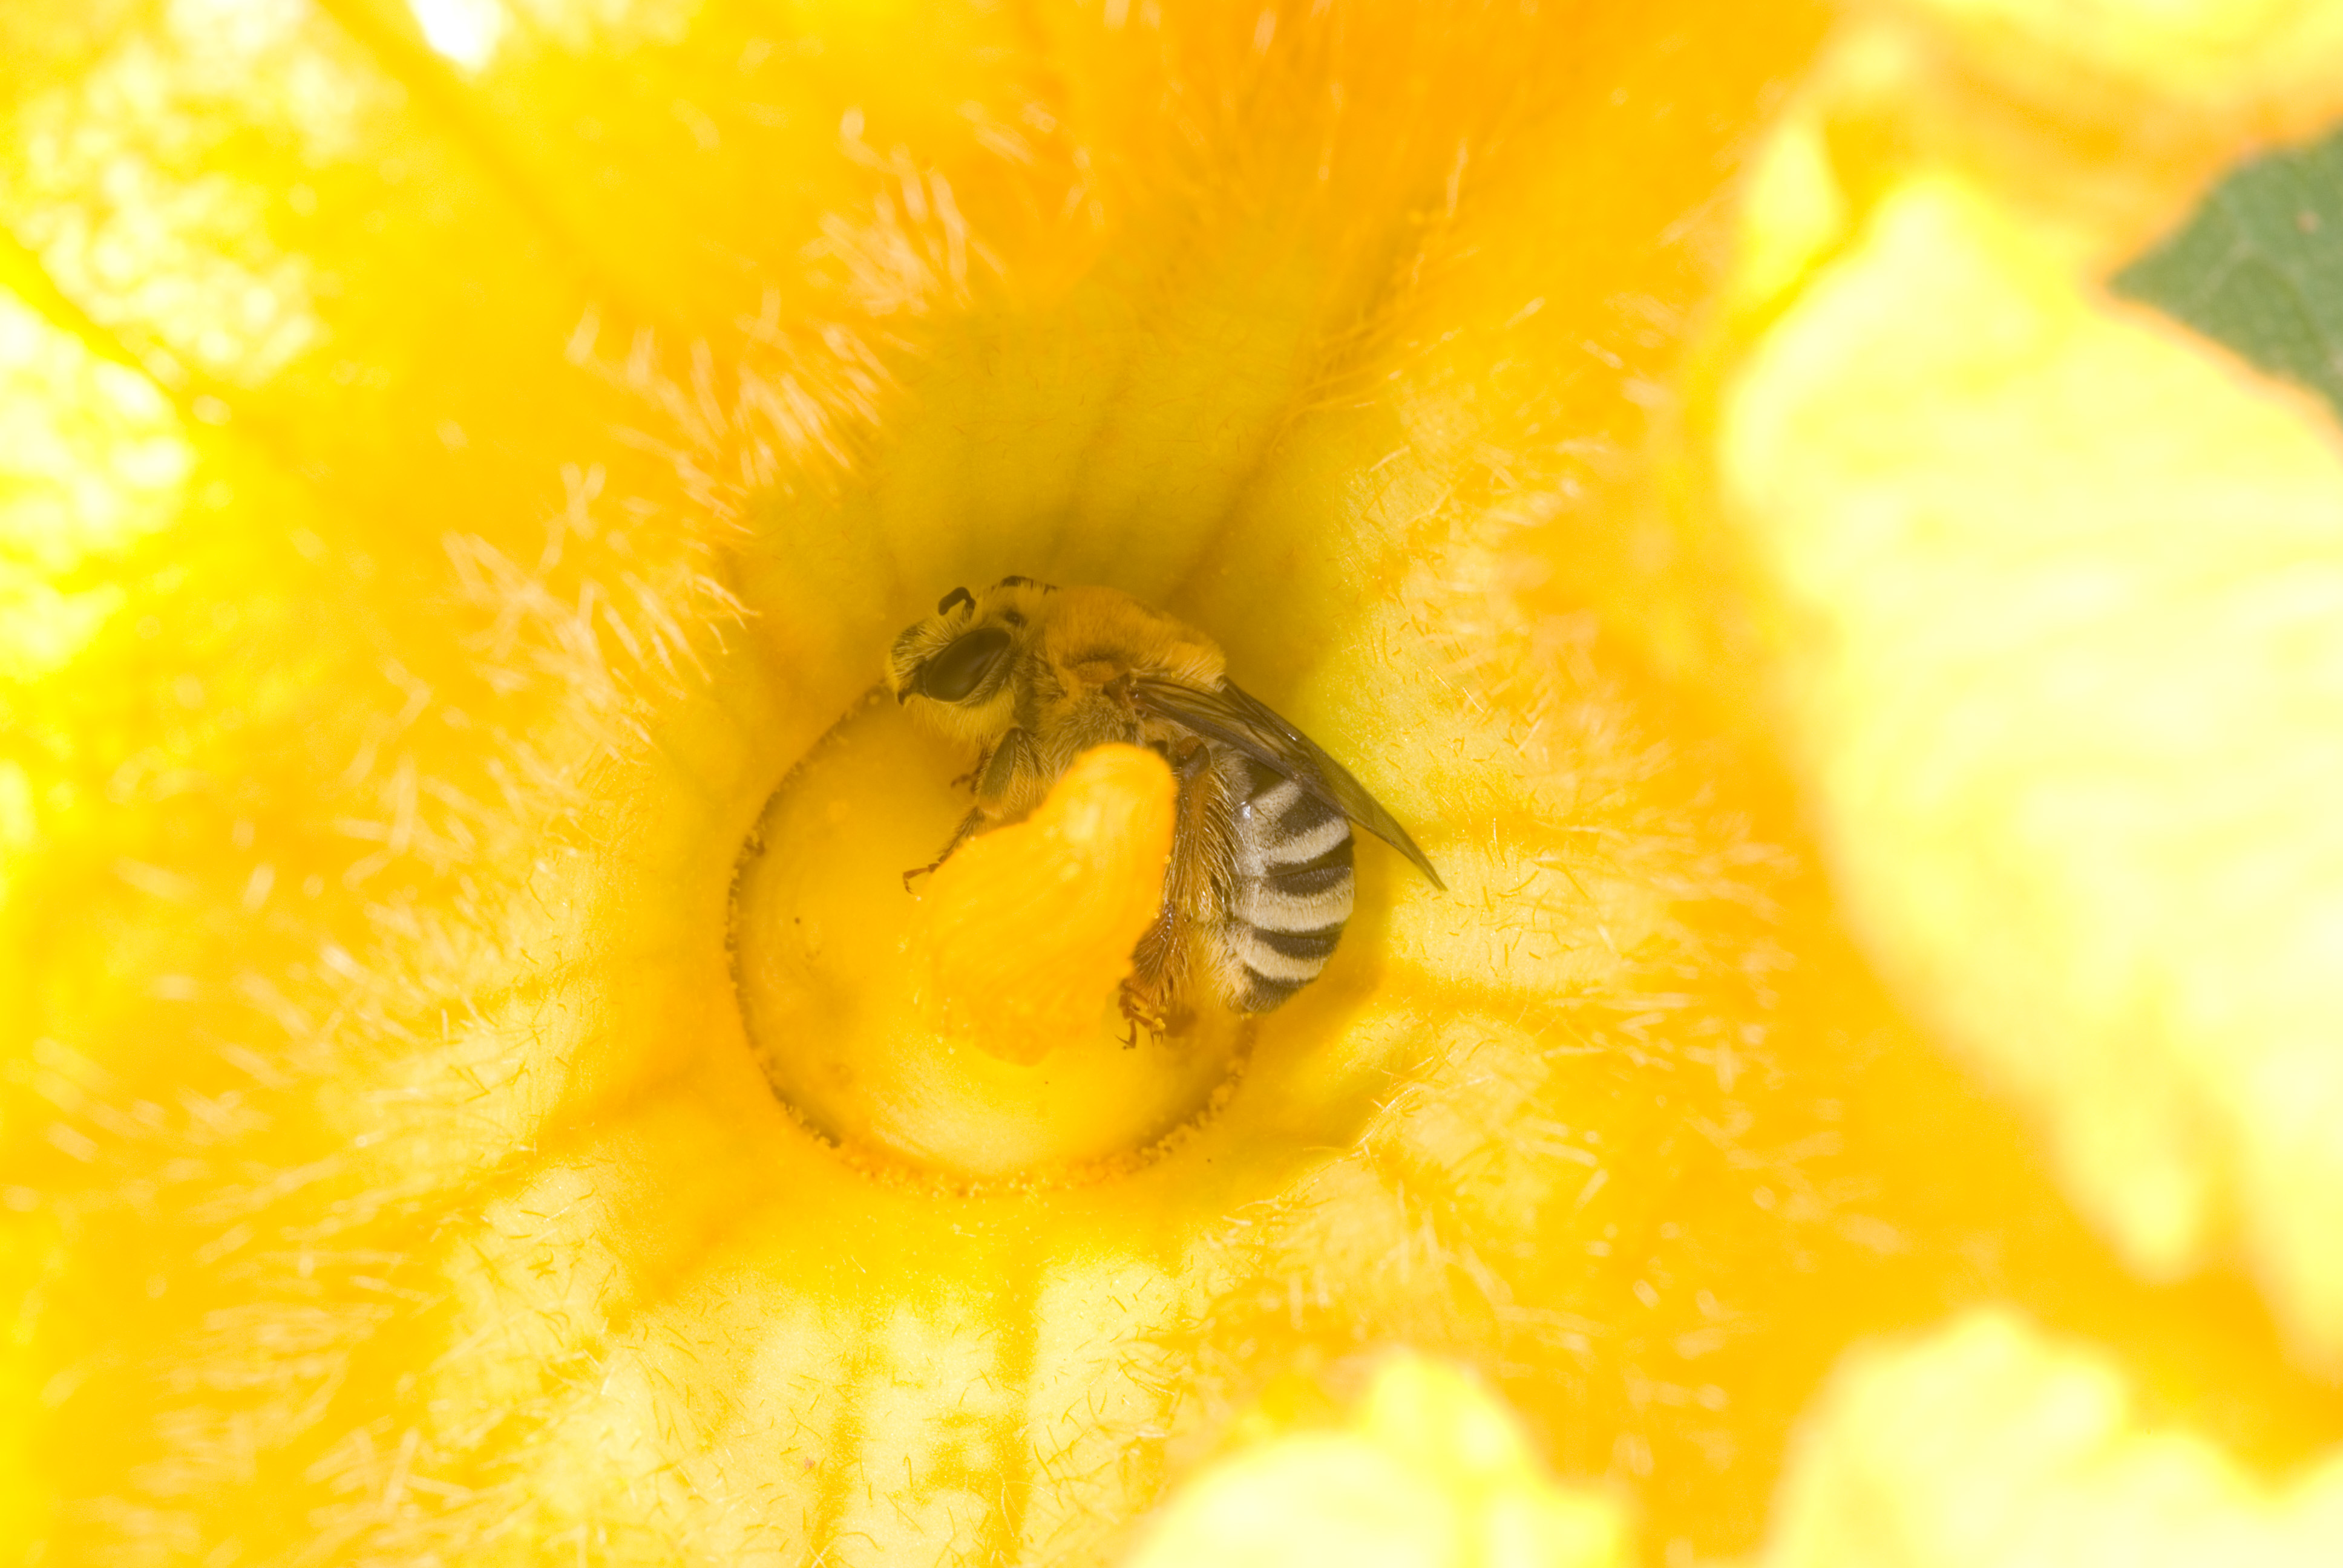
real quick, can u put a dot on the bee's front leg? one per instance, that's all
(999, 774)
(967, 830)
(983, 761)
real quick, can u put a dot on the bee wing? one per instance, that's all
(1234, 718)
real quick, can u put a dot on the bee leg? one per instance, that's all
(1149, 992)
(967, 826)
(998, 775)
(1001, 773)
(1142, 1013)
(1146, 989)
(983, 761)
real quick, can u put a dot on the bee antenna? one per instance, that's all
(956, 597)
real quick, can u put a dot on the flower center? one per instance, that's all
(967, 1027)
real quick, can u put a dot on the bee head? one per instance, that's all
(960, 660)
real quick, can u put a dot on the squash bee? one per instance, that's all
(1260, 881)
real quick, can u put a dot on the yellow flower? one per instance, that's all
(464, 465)
(1427, 1470)
(2051, 586)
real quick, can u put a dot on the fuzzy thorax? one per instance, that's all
(1061, 646)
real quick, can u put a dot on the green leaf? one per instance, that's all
(2259, 266)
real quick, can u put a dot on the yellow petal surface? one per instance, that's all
(2051, 587)
(465, 463)
(1431, 1471)
(1988, 1444)
(542, 418)
(2059, 592)
(2239, 69)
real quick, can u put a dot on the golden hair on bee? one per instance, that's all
(1260, 883)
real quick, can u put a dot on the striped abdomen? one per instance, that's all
(1293, 885)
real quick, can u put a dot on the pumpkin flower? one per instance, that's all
(2048, 567)
(474, 1083)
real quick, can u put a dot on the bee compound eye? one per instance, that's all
(956, 673)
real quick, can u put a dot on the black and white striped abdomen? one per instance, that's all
(1292, 889)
